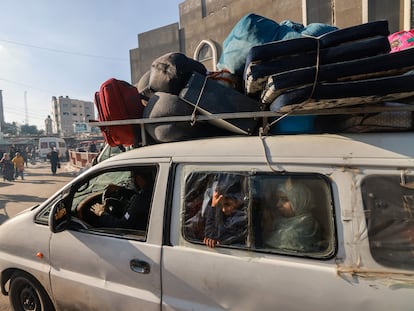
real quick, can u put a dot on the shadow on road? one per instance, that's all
(19, 198)
(62, 174)
(7, 198)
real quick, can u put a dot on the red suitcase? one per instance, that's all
(119, 100)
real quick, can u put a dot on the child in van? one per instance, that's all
(226, 222)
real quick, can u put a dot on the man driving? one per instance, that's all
(137, 209)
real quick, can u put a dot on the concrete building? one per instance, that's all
(67, 112)
(204, 24)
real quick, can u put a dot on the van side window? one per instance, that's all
(116, 202)
(389, 212)
(217, 212)
(286, 214)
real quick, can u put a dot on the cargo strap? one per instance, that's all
(298, 107)
(193, 115)
(315, 80)
(262, 138)
(266, 127)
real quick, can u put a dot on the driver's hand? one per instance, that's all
(98, 209)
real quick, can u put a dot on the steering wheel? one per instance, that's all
(114, 202)
(83, 211)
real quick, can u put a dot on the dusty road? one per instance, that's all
(37, 186)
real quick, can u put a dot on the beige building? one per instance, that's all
(67, 112)
(204, 24)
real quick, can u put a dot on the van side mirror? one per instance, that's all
(59, 217)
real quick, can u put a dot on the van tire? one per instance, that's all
(26, 293)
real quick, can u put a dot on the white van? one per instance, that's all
(47, 143)
(319, 222)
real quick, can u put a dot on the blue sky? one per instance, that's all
(68, 48)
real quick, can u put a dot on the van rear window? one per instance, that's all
(389, 210)
(44, 145)
(284, 214)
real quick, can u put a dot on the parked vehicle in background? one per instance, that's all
(47, 143)
(107, 152)
(85, 145)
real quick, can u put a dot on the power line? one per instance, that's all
(39, 115)
(63, 51)
(27, 86)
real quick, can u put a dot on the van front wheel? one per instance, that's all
(26, 293)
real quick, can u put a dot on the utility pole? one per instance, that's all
(1, 112)
(26, 114)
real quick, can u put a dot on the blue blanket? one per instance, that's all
(254, 30)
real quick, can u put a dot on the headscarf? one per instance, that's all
(299, 196)
(300, 232)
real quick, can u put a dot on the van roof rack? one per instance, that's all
(263, 115)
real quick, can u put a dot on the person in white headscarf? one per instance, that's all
(291, 225)
(7, 168)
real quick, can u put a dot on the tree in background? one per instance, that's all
(10, 128)
(13, 129)
(30, 130)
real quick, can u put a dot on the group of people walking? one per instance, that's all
(12, 164)
(12, 167)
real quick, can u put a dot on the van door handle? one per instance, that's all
(139, 266)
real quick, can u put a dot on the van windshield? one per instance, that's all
(99, 183)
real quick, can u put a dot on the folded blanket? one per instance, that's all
(365, 68)
(256, 73)
(340, 94)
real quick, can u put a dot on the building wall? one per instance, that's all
(213, 20)
(153, 44)
(67, 111)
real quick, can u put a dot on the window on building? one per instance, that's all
(319, 11)
(389, 210)
(206, 53)
(264, 212)
(390, 10)
(412, 14)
